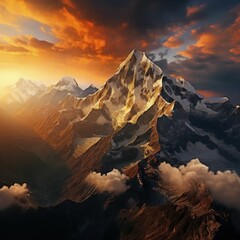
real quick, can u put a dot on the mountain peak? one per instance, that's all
(67, 81)
(91, 86)
(23, 82)
(137, 61)
(22, 91)
(89, 90)
(137, 54)
(67, 84)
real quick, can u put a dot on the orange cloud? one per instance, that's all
(193, 10)
(216, 40)
(77, 51)
(174, 41)
(13, 49)
(208, 93)
(235, 51)
(62, 23)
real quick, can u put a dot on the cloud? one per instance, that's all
(13, 49)
(224, 187)
(108, 27)
(208, 93)
(212, 62)
(14, 195)
(113, 182)
(195, 11)
(174, 41)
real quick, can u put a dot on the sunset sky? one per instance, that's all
(197, 40)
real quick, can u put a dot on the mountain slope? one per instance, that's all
(207, 128)
(119, 106)
(25, 158)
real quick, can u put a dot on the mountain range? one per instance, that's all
(143, 157)
(23, 91)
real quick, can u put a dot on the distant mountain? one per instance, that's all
(43, 103)
(68, 84)
(20, 92)
(24, 90)
(56, 93)
(89, 90)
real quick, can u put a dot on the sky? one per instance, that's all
(192, 39)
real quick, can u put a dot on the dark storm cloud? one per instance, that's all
(130, 24)
(141, 15)
(212, 62)
(210, 8)
(218, 75)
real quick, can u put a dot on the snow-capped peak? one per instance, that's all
(22, 90)
(67, 84)
(184, 84)
(140, 59)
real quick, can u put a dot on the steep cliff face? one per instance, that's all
(207, 128)
(189, 217)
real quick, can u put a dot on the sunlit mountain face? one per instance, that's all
(119, 120)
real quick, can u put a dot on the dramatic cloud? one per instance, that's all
(14, 195)
(212, 62)
(113, 182)
(106, 28)
(224, 187)
(89, 39)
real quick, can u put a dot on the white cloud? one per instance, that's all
(113, 182)
(14, 195)
(223, 186)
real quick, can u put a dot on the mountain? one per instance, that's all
(138, 113)
(128, 148)
(69, 85)
(129, 102)
(56, 93)
(21, 92)
(207, 128)
(41, 104)
(89, 90)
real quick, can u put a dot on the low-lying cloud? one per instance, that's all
(113, 182)
(14, 195)
(224, 186)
